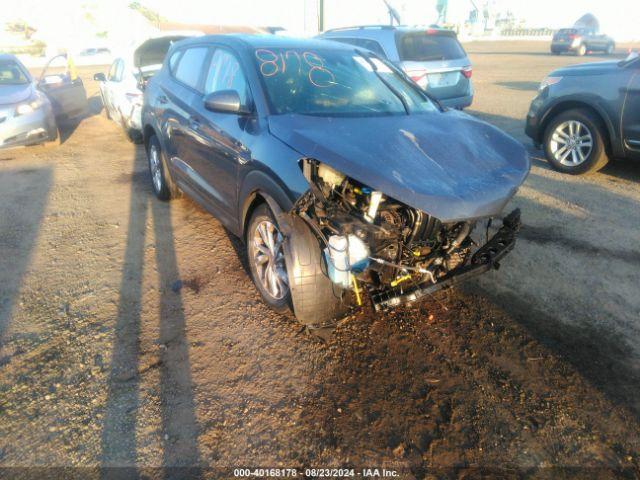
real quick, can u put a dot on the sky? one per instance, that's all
(537, 13)
(617, 17)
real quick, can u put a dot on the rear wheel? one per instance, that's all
(609, 50)
(574, 143)
(582, 50)
(156, 169)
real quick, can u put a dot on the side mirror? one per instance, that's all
(100, 77)
(225, 101)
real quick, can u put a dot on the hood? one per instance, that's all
(11, 94)
(593, 68)
(450, 165)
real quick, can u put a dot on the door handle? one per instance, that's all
(163, 99)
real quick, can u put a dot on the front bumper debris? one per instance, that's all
(483, 260)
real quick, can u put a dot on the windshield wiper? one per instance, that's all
(388, 85)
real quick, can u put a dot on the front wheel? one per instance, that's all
(266, 258)
(609, 50)
(289, 270)
(574, 143)
(582, 50)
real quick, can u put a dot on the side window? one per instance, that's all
(225, 73)
(363, 43)
(374, 47)
(119, 71)
(112, 70)
(190, 66)
(173, 61)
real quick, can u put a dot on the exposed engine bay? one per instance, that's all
(394, 253)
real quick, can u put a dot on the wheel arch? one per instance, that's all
(574, 104)
(259, 188)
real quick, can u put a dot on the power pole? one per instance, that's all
(321, 15)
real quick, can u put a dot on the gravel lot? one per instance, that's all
(131, 335)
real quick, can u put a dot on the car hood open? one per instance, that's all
(153, 50)
(448, 164)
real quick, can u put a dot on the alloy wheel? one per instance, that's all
(154, 165)
(571, 143)
(268, 258)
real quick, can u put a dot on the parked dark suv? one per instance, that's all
(343, 178)
(585, 114)
(580, 41)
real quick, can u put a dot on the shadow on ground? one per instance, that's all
(24, 194)
(525, 86)
(179, 430)
(67, 126)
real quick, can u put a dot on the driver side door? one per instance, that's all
(64, 89)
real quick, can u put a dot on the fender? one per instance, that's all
(259, 183)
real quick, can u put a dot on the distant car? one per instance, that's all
(122, 88)
(580, 41)
(89, 52)
(586, 113)
(432, 57)
(28, 108)
(335, 168)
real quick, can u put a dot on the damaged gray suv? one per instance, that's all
(345, 180)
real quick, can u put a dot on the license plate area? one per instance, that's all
(439, 80)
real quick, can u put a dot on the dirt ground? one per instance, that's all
(132, 338)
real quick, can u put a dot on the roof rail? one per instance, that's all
(362, 27)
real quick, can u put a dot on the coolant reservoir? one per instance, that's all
(345, 255)
(338, 260)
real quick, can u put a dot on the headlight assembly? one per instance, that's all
(30, 106)
(548, 81)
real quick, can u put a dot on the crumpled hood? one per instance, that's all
(450, 165)
(10, 94)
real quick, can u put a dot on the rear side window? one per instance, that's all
(115, 72)
(112, 69)
(424, 47)
(173, 61)
(190, 66)
(370, 45)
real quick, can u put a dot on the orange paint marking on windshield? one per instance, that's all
(270, 67)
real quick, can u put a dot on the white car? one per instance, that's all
(122, 88)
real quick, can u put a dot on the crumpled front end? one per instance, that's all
(376, 246)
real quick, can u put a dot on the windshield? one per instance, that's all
(335, 83)
(11, 73)
(424, 47)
